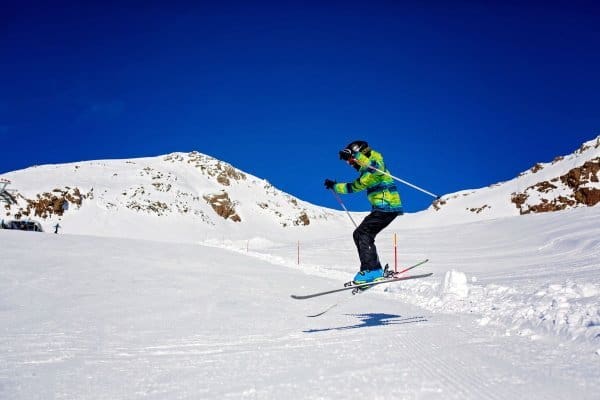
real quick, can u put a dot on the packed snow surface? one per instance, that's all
(512, 311)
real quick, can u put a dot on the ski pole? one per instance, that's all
(337, 196)
(403, 181)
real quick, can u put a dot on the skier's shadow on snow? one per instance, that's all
(377, 319)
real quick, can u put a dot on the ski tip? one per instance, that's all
(322, 312)
(316, 315)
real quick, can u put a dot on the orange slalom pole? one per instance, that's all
(395, 253)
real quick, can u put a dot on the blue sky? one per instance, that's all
(455, 96)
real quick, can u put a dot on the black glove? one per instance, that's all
(329, 183)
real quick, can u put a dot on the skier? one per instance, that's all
(383, 196)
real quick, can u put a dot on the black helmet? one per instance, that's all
(355, 147)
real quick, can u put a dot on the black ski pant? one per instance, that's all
(364, 237)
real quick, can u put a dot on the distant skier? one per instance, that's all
(383, 196)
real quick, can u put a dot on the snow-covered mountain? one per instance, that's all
(173, 197)
(192, 197)
(566, 182)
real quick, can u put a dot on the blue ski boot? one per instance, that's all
(368, 276)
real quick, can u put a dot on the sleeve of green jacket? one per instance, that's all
(368, 177)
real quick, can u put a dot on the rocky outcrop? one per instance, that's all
(477, 210)
(302, 219)
(577, 190)
(48, 204)
(438, 204)
(223, 172)
(153, 207)
(223, 206)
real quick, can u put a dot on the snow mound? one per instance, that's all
(455, 284)
(568, 309)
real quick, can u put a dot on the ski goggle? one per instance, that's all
(345, 154)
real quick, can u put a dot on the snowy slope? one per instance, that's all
(512, 311)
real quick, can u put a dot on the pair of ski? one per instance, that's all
(360, 288)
